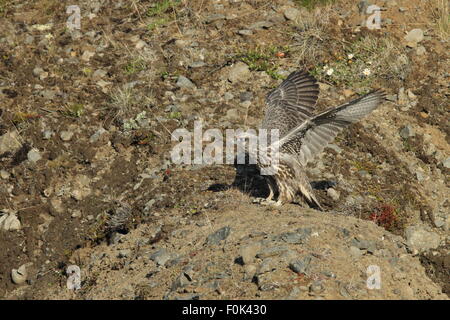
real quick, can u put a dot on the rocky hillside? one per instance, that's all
(85, 138)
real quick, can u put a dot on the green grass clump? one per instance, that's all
(311, 4)
(135, 66)
(162, 7)
(159, 12)
(360, 63)
(263, 59)
(175, 115)
(75, 110)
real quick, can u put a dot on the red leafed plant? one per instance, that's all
(384, 216)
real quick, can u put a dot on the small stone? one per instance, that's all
(300, 266)
(420, 176)
(266, 283)
(48, 94)
(333, 194)
(420, 51)
(411, 94)
(291, 14)
(245, 32)
(124, 253)
(197, 64)
(348, 93)
(363, 244)
(219, 235)
(249, 271)
(47, 134)
(87, 55)
(33, 155)
(272, 251)
(4, 174)
(245, 96)
(413, 37)
(228, 96)
(232, 114)
(316, 287)
(355, 252)
(407, 132)
(66, 135)
(29, 39)
(324, 86)
(391, 97)
(161, 257)
(76, 214)
(184, 82)
(180, 282)
(97, 135)
(98, 74)
(140, 44)
(214, 17)
(19, 276)
(298, 237)
(38, 71)
(446, 163)
(9, 222)
(267, 265)
(248, 252)
(238, 72)
(399, 276)
(181, 43)
(261, 25)
(9, 142)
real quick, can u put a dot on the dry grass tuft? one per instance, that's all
(441, 15)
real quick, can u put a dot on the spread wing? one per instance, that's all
(291, 103)
(309, 139)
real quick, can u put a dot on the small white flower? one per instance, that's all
(49, 36)
(350, 56)
(330, 72)
(325, 67)
(366, 72)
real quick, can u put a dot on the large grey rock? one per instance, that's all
(218, 236)
(420, 239)
(297, 237)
